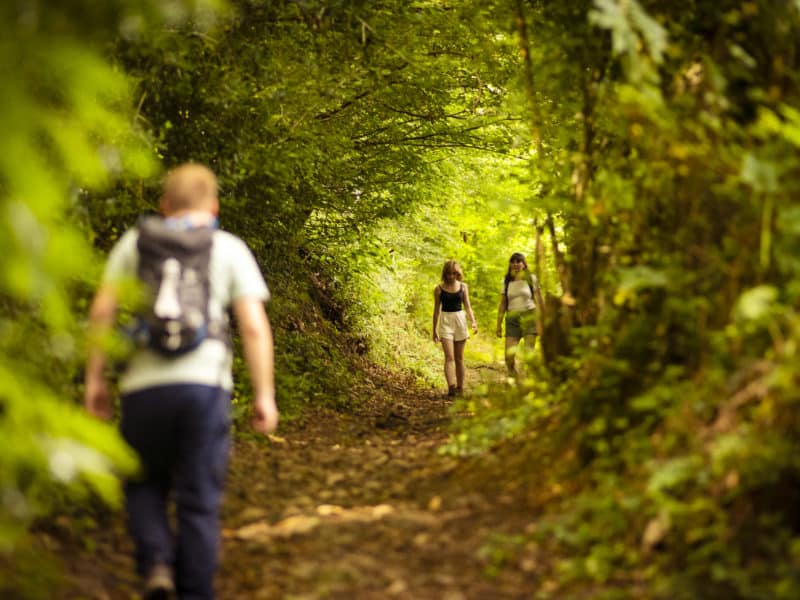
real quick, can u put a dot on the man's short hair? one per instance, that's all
(190, 186)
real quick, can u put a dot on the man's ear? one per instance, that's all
(215, 206)
(163, 205)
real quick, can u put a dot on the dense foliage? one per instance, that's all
(669, 435)
(65, 112)
(322, 122)
(644, 152)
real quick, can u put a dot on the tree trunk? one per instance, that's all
(557, 311)
(530, 88)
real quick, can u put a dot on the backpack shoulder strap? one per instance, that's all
(154, 233)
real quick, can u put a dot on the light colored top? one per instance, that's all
(520, 298)
(233, 275)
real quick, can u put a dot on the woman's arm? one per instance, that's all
(437, 303)
(501, 310)
(468, 309)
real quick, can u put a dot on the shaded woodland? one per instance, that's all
(645, 154)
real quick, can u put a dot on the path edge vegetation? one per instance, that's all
(658, 436)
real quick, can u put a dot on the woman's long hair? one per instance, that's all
(517, 256)
(452, 266)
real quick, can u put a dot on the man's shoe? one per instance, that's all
(159, 584)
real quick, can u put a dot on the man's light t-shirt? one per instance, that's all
(233, 275)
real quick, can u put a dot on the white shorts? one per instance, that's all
(453, 326)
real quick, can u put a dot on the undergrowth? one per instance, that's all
(649, 481)
(317, 361)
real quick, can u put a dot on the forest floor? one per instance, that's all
(356, 506)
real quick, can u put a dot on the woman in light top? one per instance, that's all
(450, 311)
(519, 299)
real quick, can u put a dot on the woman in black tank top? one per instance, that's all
(451, 301)
(450, 311)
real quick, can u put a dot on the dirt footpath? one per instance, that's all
(359, 506)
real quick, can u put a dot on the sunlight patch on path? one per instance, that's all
(331, 514)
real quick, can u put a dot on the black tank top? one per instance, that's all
(451, 301)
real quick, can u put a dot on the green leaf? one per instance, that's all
(760, 174)
(672, 473)
(756, 302)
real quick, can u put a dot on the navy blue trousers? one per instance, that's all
(182, 435)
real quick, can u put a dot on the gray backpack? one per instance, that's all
(174, 266)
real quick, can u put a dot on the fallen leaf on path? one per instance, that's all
(288, 527)
(250, 514)
(302, 524)
(397, 587)
(421, 539)
(655, 531)
(326, 510)
(334, 478)
(528, 565)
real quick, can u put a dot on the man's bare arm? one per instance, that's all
(260, 357)
(96, 398)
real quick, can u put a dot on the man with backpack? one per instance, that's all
(176, 386)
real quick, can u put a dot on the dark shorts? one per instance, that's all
(519, 325)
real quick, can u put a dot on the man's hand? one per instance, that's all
(97, 400)
(265, 413)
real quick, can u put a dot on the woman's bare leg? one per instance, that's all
(530, 342)
(458, 352)
(511, 349)
(530, 345)
(449, 363)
